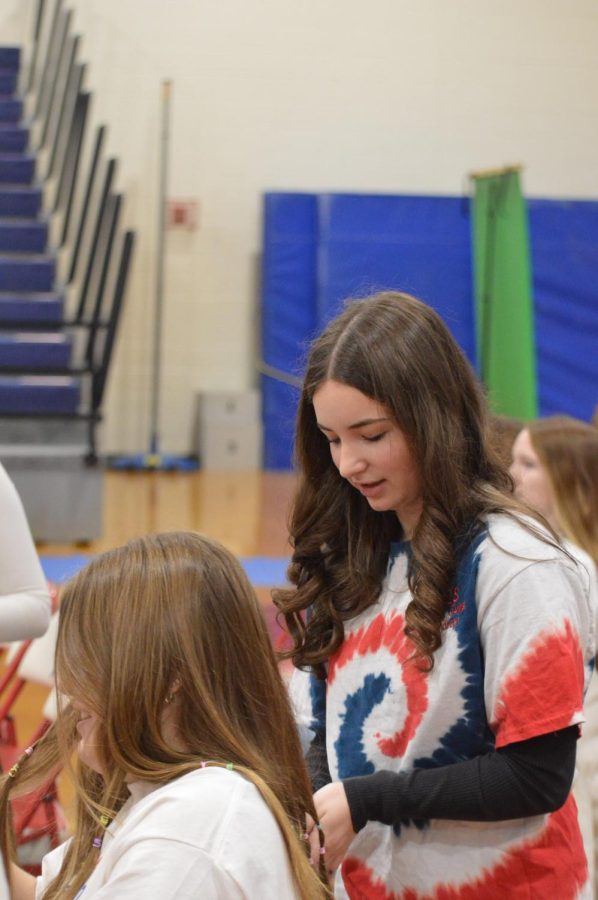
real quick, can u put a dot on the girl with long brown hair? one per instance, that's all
(555, 470)
(189, 772)
(442, 633)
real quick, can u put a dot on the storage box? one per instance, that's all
(229, 406)
(227, 447)
(229, 433)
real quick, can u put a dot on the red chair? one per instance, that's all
(39, 821)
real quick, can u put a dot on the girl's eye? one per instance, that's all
(333, 440)
(374, 438)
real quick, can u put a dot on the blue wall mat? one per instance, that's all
(319, 250)
(262, 571)
(289, 318)
(564, 238)
(420, 245)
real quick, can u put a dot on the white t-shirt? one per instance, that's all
(207, 835)
(517, 644)
(24, 597)
(4, 892)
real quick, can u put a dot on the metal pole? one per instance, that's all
(160, 250)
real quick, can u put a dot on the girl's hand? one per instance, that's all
(335, 818)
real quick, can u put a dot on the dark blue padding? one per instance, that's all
(23, 235)
(11, 109)
(26, 273)
(39, 351)
(16, 168)
(13, 138)
(39, 395)
(564, 239)
(358, 244)
(23, 307)
(10, 57)
(20, 201)
(288, 315)
(416, 244)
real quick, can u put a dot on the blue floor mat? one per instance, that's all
(262, 571)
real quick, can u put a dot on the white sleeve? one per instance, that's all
(537, 636)
(190, 873)
(24, 597)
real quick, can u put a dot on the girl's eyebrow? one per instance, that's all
(361, 424)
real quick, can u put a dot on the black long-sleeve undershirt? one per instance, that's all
(527, 778)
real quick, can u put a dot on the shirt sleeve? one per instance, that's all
(24, 598)
(530, 778)
(535, 632)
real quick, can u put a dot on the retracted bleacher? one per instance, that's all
(56, 332)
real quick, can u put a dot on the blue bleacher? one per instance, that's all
(45, 308)
(23, 235)
(39, 395)
(43, 351)
(34, 364)
(13, 138)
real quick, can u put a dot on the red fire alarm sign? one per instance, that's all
(182, 214)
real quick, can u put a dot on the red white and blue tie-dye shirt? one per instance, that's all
(516, 655)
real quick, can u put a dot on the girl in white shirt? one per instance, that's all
(189, 775)
(24, 597)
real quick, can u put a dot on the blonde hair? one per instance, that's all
(568, 450)
(169, 607)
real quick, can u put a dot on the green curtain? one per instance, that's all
(503, 294)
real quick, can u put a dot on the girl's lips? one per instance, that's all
(370, 489)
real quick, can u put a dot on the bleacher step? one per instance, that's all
(43, 351)
(13, 138)
(39, 394)
(10, 57)
(8, 81)
(11, 108)
(27, 272)
(39, 307)
(16, 168)
(20, 200)
(20, 235)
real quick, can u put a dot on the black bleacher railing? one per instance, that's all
(70, 348)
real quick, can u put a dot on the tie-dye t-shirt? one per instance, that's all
(518, 643)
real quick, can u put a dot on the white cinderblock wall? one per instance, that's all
(391, 96)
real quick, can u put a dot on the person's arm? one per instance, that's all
(22, 884)
(527, 778)
(25, 605)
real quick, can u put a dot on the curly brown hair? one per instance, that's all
(396, 350)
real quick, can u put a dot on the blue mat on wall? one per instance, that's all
(321, 249)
